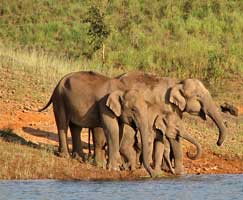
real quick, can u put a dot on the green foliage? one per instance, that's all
(192, 38)
(98, 30)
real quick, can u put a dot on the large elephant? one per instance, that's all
(90, 100)
(189, 95)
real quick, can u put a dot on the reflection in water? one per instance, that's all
(188, 187)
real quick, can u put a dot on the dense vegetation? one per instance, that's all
(179, 38)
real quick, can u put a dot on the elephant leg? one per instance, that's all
(166, 155)
(176, 148)
(159, 148)
(138, 149)
(63, 150)
(99, 142)
(127, 146)
(151, 139)
(62, 127)
(111, 129)
(76, 140)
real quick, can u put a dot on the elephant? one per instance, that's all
(130, 147)
(178, 96)
(166, 127)
(100, 144)
(89, 100)
(162, 154)
(169, 127)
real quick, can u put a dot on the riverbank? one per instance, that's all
(32, 154)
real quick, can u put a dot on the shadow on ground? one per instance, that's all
(41, 133)
(49, 135)
(8, 135)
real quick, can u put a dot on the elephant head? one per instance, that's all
(191, 96)
(131, 108)
(171, 125)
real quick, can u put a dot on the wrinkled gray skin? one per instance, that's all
(165, 127)
(77, 100)
(99, 142)
(90, 100)
(189, 95)
(170, 127)
(130, 147)
(162, 153)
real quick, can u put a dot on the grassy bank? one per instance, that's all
(20, 159)
(24, 162)
(200, 39)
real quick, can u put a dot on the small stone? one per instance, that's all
(226, 107)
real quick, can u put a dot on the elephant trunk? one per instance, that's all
(145, 150)
(197, 145)
(215, 116)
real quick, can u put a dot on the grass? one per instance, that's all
(207, 134)
(35, 73)
(199, 39)
(21, 159)
(23, 162)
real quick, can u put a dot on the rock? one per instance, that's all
(226, 107)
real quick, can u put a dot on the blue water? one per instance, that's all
(201, 187)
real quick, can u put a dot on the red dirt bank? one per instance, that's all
(40, 127)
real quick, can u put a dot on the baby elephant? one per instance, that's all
(165, 127)
(162, 156)
(170, 127)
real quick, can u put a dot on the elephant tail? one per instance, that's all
(197, 145)
(46, 106)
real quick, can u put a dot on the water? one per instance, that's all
(213, 187)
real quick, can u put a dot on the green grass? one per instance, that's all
(201, 39)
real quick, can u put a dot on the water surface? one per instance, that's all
(220, 187)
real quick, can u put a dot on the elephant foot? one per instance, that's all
(63, 154)
(100, 164)
(113, 168)
(76, 156)
(179, 171)
(157, 169)
(156, 174)
(128, 167)
(132, 167)
(172, 171)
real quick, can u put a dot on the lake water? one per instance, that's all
(198, 187)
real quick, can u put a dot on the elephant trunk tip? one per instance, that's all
(221, 138)
(220, 142)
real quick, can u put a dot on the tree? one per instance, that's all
(98, 30)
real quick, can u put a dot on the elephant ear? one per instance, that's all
(159, 124)
(177, 98)
(114, 102)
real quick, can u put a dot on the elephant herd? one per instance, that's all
(137, 115)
